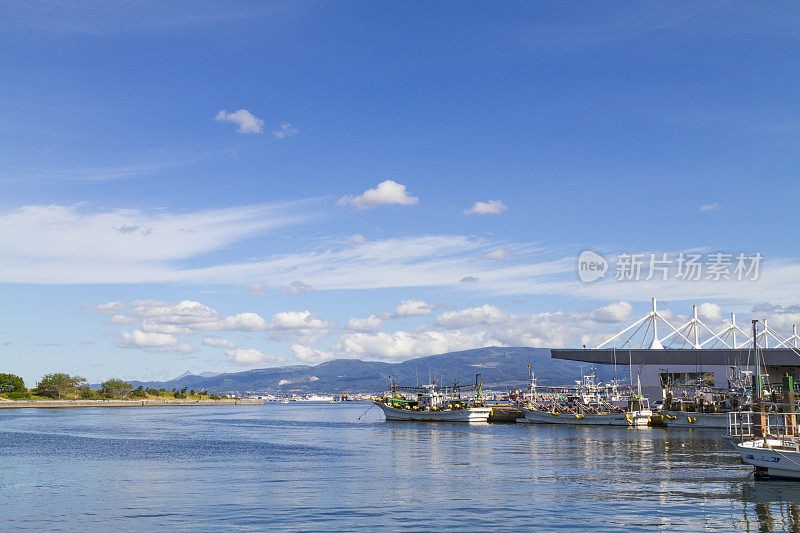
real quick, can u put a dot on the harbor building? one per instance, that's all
(690, 355)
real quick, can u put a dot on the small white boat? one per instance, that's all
(767, 441)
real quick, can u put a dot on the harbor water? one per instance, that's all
(315, 467)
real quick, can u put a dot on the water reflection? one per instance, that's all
(315, 467)
(771, 506)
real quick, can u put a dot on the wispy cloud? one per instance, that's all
(101, 19)
(286, 130)
(710, 207)
(43, 239)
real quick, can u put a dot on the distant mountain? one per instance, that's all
(500, 368)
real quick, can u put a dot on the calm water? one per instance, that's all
(313, 467)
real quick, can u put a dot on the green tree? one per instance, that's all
(138, 392)
(115, 388)
(11, 383)
(58, 385)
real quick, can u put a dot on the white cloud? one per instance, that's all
(615, 312)
(365, 325)
(297, 287)
(388, 192)
(256, 288)
(251, 356)
(245, 121)
(484, 315)
(356, 239)
(476, 327)
(469, 279)
(284, 382)
(710, 311)
(170, 329)
(402, 345)
(311, 355)
(710, 207)
(163, 322)
(123, 320)
(286, 130)
(195, 316)
(412, 307)
(70, 244)
(88, 341)
(300, 325)
(109, 308)
(185, 348)
(492, 207)
(215, 342)
(141, 339)
(499, 255)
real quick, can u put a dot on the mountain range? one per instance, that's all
(499, 368)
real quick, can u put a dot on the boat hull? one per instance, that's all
(638, 419)
(685, 419)
(773, 463)
(471, 414)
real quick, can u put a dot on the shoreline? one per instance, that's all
(60, 404)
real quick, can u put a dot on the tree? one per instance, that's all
(11, 383)
(58, 385)
(115, 388)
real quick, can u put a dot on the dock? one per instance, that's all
(505, 413)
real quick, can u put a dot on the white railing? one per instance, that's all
(743, 424)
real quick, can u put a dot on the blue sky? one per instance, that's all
(658, 128)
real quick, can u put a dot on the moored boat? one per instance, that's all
(587, 404)
(689, 419)
(445, 414)
(433, 404)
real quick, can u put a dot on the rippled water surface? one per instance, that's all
(315, 467)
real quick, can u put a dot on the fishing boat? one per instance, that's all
(766, 435)
(432, 403)
(587, 404)
(768, 441)
(700, 405)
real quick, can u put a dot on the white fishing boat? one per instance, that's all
(464, 414)
(433, 404)
(587, 404)
(766, 436)
(637, 418)
(767, 441)
(689, 419)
